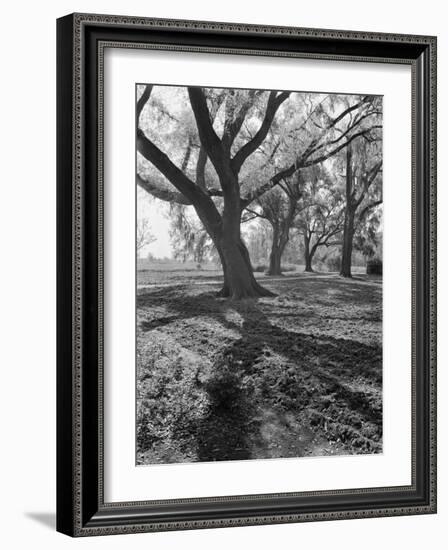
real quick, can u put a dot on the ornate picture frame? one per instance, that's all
(81, 43)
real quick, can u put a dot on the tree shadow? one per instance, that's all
(179, 307)
(306, 372)
(224, 431)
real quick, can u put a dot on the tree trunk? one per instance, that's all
(275, 257)
(349, 219)
(308, 262)
(239, 280)
(307, 254)
(225, 290)
(275, 261)
(280, 237)
(347, 243)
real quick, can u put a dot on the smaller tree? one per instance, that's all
(279, 208)
(321, 215)
(362, 187)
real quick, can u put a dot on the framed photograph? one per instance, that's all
(246, 274)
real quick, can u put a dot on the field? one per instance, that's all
(295, 375)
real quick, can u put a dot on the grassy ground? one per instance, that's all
(295, 375)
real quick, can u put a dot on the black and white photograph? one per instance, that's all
(259, 274)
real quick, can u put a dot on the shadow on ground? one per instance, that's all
(297, 375)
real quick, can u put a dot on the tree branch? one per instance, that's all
(287, 172)
(347, 111)
(161, 193)
(204, 205)
(209, 139)
(162, 162)
(270, 184)
(374, 172)
(256, 214)
(245, 220)
(367, 181)
(234, 121)
(215, 192)
(202, 156)
(142, 101)
(334, 243)
(320, 159)
(356, 123)
(272, 107)
(200, 167)
(367, 208)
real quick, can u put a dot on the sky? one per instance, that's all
(156, 212)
